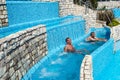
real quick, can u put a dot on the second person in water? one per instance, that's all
(93, 38)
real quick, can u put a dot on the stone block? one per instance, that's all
(2, 70)
(87, 67)
(11, 63)
(7, 66)
(81, 78)
(87, 76)
(11, 71)
(81, 75)
(8, 59)
(6, 76)
(3, 1)
(2, 63)
(6, 20)
(88, 63)
(2, 16)
(4, 12)
(2, 55)
(86, 71)
(19, 74)
(1, 8)
(13, 77)
(43, 30)
(0, 12)
(4, 24)
(5, 16)
(39, 51)
(27, 56)
(5, 7)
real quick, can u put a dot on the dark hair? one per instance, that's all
(91, 33)
(67, 39)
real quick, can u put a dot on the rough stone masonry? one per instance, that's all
(3, 14)
(20, 51)
(86, 68)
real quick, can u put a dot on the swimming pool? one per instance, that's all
(111, 69)
(116, 12)
(58, 65)
(61, 66)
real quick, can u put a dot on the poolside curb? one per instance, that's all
(86, 68)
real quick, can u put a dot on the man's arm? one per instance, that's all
(65, 49)
(102, 39)
(92, 39)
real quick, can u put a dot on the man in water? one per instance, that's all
(69, 47)
(93, 38)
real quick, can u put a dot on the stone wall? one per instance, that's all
(3, 13)
(115, 32)
(20, 51)
(109, 4)
(86, 68)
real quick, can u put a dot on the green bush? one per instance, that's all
(114, 23)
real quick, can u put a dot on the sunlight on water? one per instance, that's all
(58, 61)
(63, 53)
(83, 43)
(45, 73)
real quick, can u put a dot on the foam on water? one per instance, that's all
(63, 53)
(45, 73)
(58, 61)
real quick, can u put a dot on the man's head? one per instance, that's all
(68, 40)
(92, 34)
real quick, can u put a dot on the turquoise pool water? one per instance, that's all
(106, 61)
(63, 66)
(58, 65)
(30, 11)
(5, 31)
(116, 12)
(111, 72)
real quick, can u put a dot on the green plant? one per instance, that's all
(114, 23)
